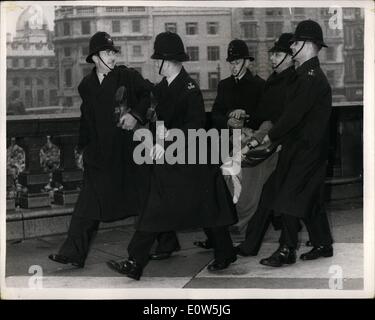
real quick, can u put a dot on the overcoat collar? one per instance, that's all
(308, 65)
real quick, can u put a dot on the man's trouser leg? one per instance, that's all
(140, 246)
(256, 229)
(289, 231)
(318, 229)
(80, 234)
(167, 242)
(253, 179)
(222, 243)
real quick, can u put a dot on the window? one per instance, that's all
(330, 53)
(273, 29)
(137, 51)
(274, 12)
(193, 53)
(15, 63)
(16, 81)
(86, 10)
(136, 9)
(68, 101)
(53, 97)
(324, 12)
(40, 97)
(85, 27)
(28, 97)
(51, 80)
(359, 70)
(39, 62)
(27, 81)
(116, 26)
(66, 29)
(195, 76)
(114, 9)
(248, 30)
(85, 51)
(191, 28)
(15, 94)
(212, 27)
(51, 62)
(27, 62)
(136, 25)
(68, 77)
(213, 80)
(39, 82)
(248, 13)
(213, 53)
(67, 52)
(171, 27)
(299, 11)
(358, 37)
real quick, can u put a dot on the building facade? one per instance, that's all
(129, 27)
(31, 62)
(260, 27)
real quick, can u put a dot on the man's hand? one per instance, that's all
(235, 123)
(157, 152)
(266, 139)
(237, 113)
(128, 122)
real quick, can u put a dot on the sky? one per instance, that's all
(14, 9)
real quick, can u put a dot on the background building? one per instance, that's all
(31, 62)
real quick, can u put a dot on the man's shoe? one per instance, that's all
(221, 265)
(203, 244)
(127, 267)
(239, 252)
(317, 252)
(65, 260)
(163, 255)
(283, 255)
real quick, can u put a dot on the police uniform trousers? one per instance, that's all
(142, 241)
(253, 179)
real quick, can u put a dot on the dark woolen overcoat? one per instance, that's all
(296, 186)
(114, 187)
(184, 196)
(244, 95)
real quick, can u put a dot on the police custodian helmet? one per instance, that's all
(309, 30)
(283, 44)
(169, 46)
(237, 49)
(98, 42)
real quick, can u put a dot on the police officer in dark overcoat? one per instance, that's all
(296, 188)
(113, 185)
(270, 108)
(182, 195)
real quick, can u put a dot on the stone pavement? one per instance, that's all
(187, 268)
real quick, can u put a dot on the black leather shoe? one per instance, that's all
(163, 255)
(283, 255)
(221, 265)
(317, 252)
(65, 260)
(203, 244)
(127, 267)
(239, 252)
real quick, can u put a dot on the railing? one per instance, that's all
(44, 174)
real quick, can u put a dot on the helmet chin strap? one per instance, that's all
(243, 63)
(293, 56)
(104, 63)
(274, 68)
(161, 67)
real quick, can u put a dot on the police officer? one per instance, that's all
(112, 182)
(238, 97)
(181, 195)
(270, 109)
(297, 185)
